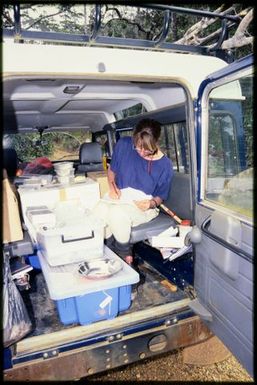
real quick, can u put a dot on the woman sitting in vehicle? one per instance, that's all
(141, 171)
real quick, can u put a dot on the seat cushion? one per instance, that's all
(154, 227)
(90, 153)
(82, 168)
(90, 158)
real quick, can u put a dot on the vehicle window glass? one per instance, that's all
(230, 147)
(103, 141)
(174, 144)
(136, 109)
(53, 145)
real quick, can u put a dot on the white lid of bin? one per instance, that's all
(65, 281)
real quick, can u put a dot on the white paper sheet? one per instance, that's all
(128, 196)
(171, 254)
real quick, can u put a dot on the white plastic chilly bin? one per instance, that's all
(73, 242)
(82, 300)
(86, 194)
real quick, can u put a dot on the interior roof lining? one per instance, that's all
(102, 97)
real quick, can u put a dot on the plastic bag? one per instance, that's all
(16, 321)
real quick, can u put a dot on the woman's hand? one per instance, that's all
(143, 205)
(114, 192)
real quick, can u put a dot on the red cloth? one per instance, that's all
(40, 165)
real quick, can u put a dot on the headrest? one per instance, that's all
(10, 159)
(90, 153)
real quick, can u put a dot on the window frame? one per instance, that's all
(204, 146)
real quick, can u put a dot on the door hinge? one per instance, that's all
(200, 310)
(190, 291)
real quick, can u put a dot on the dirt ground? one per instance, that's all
(170, 367)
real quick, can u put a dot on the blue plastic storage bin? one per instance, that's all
(84, 301)
(97, 306)
(124, 297)
(67, 311)
(33, 261)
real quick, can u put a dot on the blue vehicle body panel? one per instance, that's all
(226, 292)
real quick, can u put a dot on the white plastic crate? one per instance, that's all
(74, 239)
(84, 194)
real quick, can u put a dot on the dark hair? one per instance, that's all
(147, 133)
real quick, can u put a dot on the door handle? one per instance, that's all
(194, 236)
(77, 239)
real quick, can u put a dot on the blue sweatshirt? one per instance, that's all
(132, 170)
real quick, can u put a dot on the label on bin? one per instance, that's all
(106, 301)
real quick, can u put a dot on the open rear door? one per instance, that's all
(224, 211)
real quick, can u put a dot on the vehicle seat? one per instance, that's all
(179, 201)
(90, 158)
(10, 161)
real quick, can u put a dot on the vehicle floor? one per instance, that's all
(44, 316)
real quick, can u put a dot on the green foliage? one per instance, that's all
(28, 147)
(65, 141)
(247, 90)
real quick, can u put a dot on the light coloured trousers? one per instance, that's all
(119, 218)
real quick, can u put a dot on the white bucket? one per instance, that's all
(63, 169)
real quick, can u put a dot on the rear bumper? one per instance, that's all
(113, 351)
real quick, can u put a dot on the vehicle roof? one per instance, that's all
(115, 62)
(107, 80)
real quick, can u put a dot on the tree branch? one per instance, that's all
(124, 19)
(8, 18)
(236, 42)
(190, 35)
(239, 39)
(130, 22)
(213, 35)
(43, 17)
(113, 9)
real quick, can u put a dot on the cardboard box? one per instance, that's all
(12, 230)
(101, 178)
